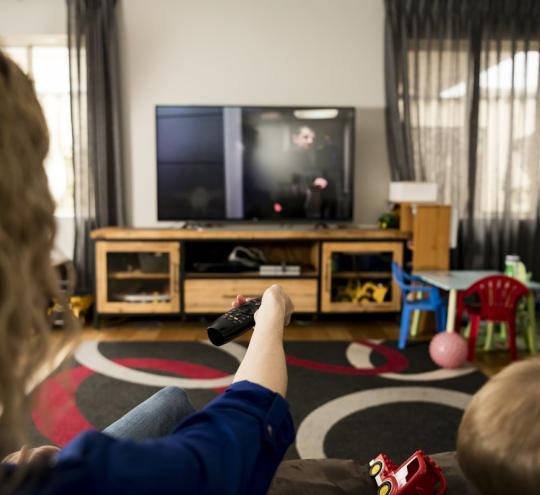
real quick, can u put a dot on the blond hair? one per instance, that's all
(499, 435)
(28, 282)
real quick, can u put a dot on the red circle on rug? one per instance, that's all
(55, 412)
(395, 362)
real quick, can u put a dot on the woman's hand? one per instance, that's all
(45, 452)
(275, 301)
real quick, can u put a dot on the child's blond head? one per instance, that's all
(499, 436)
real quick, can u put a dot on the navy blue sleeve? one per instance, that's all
(232, 446)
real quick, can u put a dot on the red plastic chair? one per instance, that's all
(498, 297)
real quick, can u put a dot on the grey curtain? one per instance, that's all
(463, 110)
(98, 166)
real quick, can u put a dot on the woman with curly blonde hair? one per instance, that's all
(232, 446)
(28, 282)
(27, 230)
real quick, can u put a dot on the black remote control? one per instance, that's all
(233, 323)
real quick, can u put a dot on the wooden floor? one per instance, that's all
(385, 328)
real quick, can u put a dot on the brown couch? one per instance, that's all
(343, 477)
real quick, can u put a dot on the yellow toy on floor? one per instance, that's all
(78, 305)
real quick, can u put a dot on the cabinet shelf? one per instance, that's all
(138, 275)
(356, 275)
(253, 274)
(144, 298)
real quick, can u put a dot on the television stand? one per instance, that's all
(243, 227)
(321, 225)
(154, 271)
(192, 225)
(343, 269)
(258, 226)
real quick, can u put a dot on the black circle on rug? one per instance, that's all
(395, 429)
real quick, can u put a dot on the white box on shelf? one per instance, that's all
(283, 270)
(413, 192)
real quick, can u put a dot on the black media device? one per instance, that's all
(233, 323)
(268, 164)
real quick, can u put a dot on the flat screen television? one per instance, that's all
(217, 163)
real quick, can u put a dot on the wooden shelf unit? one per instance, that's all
(194, 292)
(138, 275)
(362, 275)
(205, 275)
(429, 227)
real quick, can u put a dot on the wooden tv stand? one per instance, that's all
(158, 271)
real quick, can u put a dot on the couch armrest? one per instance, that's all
(341, 477)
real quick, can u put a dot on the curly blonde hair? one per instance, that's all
(28, 282)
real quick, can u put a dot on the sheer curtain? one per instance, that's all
(98, 169)
(463, 111)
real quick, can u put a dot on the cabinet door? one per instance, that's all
(137, 277)
(357, 276)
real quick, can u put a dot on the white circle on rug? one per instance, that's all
(317, 424)
(88, 355)
(358, 356)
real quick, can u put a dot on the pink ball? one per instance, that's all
(448, 350)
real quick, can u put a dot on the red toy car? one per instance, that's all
(418, 475)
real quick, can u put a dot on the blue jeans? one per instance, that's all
(156, 417)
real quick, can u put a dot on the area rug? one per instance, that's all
(348, 399)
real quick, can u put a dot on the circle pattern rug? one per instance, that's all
(348, 399)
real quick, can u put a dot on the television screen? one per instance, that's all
(254, 163)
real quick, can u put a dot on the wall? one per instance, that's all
(32, 17)
(267, 52)
(44, 20)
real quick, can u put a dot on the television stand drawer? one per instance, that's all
(216, 296)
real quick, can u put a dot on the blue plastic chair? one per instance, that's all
(417, 298)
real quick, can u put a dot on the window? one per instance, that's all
(506, 175)
(48, 65)
(507, 128)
